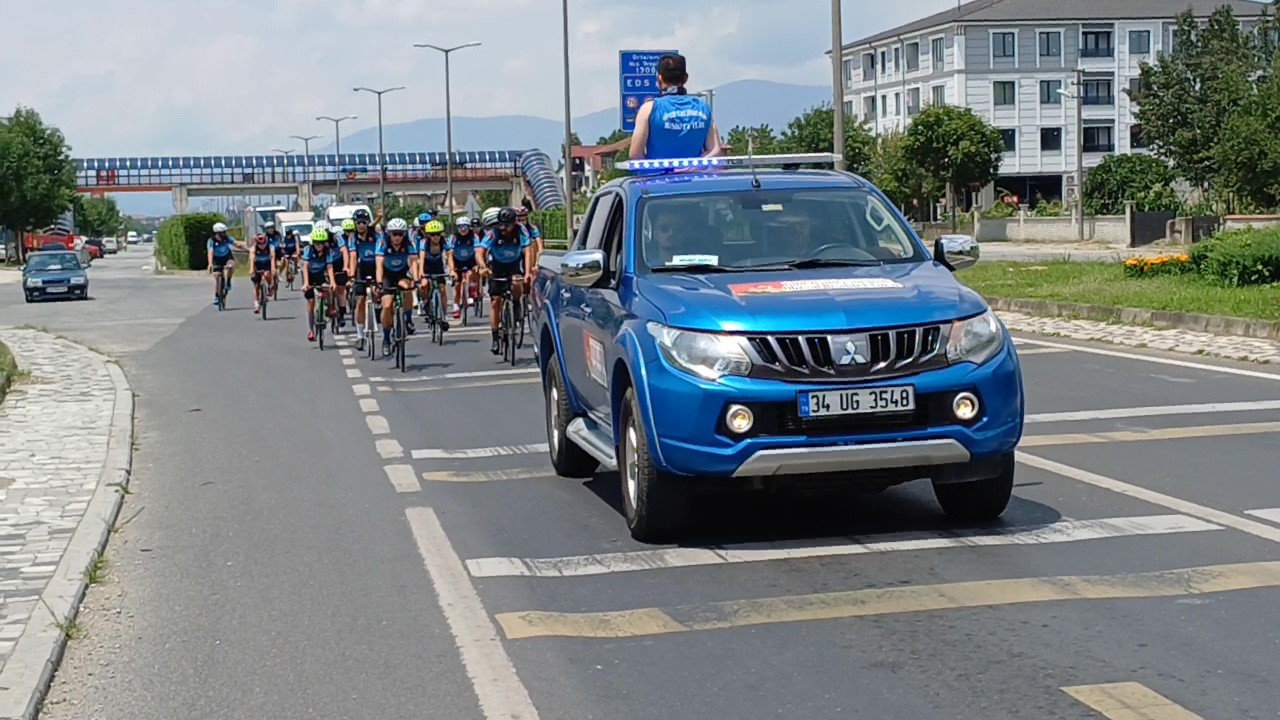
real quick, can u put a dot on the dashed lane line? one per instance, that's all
(487, 476)
(402, 478)
(650, 621)
(1129, 701)
(1174, 433)
(1022, 352)
(361, 389)
(345, 352)
(354, 373)
(389, 448)
(455, 453)
(348, 361)
(609, 563)
(368, 405)
(378, 424)
(1155, 410)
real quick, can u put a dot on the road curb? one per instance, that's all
(1214, 324)
(27, 675)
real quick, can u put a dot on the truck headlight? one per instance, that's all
(975, 340)
(34, 282)
(77, 281)
(706, 355)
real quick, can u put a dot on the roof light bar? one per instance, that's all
(728, 161)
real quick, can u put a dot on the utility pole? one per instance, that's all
(568, 131)
(1080, 151)
(382, 156)
(448, 117)
(306, 144)
(837, 83)
(337, 148)
(286, 154)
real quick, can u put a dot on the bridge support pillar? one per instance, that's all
(517, 191)
(304, 196)
(180, 199)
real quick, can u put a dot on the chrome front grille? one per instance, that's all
(852, 356)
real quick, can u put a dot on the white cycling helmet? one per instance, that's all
(397, 224)
(219, 227)
(490, 217)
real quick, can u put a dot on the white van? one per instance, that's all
(337, 213)
(302, 222)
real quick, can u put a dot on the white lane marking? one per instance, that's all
(1156, 498)
(468, 331)
(351, 373)
(402, 478)
(448, 453)
(348, 361)
(1152, 411)
(368, 405)
(389, 448)
(344, 352)
(459, 386)
(361, 389)
(1268, 514)
(487, 475)
(1059, 532)
(1159, 360)
(456, 376)
(377, 424)
(493, 676)
(1041, 351)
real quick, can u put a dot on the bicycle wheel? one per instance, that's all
(506, 330)
(441, 311)
(319, 323)
(372, 310)
(519, 324)
(220, 292)
(401, 336)
(263, 297)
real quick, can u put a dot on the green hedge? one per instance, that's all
(551, 223)
(182, 240)
(8, 369)
(1240, 257)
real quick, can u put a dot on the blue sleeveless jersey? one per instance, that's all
(678, 127)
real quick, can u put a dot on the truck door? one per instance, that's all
(572, 302)
(603, 315)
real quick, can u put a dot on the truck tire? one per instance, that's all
(657, 505)
(567, 458)
(980, 500)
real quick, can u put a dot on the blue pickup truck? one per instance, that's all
(742, 320)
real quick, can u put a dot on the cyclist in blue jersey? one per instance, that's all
(432, 261)
(462, 261)
(395, 273)
(340, 275)
(675, 124)
(275, 240)
(317, 274)
(221, 260)
(262, 258)
(362, 266)
(287, 251)
(505, 255)
(535, 235)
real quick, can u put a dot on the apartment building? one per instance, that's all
(1014, 63)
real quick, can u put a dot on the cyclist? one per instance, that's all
(221, 259)
(432, 258)
(340, 275)
(535, 235)
(462, 260)
(395, 273)
(362, 266)
(317, 273)
(272, 233)
(262, 258)
(504, 256)
(286, 253)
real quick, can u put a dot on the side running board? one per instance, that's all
(593, 442)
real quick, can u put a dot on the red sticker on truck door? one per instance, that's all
(595, 358)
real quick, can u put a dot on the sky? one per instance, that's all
(173, 77)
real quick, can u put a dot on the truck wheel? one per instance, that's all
(657, 505)
(567, 458)
(978, 500)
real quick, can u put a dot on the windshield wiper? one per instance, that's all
(695, 267)
(831, 262)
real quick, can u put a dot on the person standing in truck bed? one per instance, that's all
(675, 124)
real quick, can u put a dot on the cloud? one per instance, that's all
(188, 76)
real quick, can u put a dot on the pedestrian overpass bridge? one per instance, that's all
(525, 173)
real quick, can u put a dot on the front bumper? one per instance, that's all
(686, 425)
(53, 292)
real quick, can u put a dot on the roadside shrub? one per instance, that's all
(8, 369)
(1240, 257)
(182, 239)
(551, 223)
(1178, 264)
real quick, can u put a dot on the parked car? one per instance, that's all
(95, 247)
(110, 245)
(54, 274)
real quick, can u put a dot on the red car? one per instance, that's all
(94, 247)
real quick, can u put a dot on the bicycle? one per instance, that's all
(372, 309)
(220, 288)
(506, 321)
(472, 300)
(263, 295)
(290, 270)
(399, 333)
(322, 310)
(437, 307)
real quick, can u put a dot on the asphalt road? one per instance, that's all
(308, 538)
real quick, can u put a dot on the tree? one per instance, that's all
(898, 177)
(613, 137)
(577, 142)
(813, 131)
(954, 146)
(493, 198)
(763, 140)
(1144, 179)
(98, 216)
(1248, 153)
(37, 177)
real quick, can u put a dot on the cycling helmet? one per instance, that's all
(219, 227)
(348, 224)
(397, 225)
(490, 217)
(424, 218)
(506, 216)
(269, 225)
(435, 227)
(463, 221)
(319, 235)
(362, 216)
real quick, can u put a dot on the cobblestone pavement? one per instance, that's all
(54, 431)
(1183, 341)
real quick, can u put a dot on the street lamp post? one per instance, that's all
(286, 154)
(1078, 96)
(382, 156)
(568, 131)
(448, 116)
(306, 144)
(337, 147)
(837, 83)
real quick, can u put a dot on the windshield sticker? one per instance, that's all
(677, 260)
(771, 207)
(793, 286)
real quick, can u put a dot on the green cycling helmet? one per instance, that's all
(319, 235)
(348, 225)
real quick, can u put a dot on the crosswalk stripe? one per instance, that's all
(1153, 411)
(451, 453)
(1269, 514)
(888, 601)
(402, 478)
(1129, 701)
(620, 562)
(460, 386)
(1174, 433)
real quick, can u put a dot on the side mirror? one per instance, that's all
(582, 268)
(956, 252)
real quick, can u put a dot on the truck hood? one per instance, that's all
(822, 300)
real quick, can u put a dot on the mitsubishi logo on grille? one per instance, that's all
(851, 349)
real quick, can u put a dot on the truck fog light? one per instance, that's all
(739, 419)
(965, 406)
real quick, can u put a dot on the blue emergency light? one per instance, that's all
(729, 161)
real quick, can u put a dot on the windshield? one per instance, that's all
(772, 228)
(53, 261)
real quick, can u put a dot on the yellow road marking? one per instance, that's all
(888, 601)
(1174, 433)
(1129, 701)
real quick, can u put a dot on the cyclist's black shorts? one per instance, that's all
(287, 252)
(258, 273)
(311, 293)
(462, 267)
(220, 264)
(341, 277)
(366, 277)
(502, 273)
(390, 280)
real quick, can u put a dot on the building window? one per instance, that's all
(1099, 138)
(1139, 42)
(869, 107)
(1096, 44)
(939, 95)
(1136, 87)
(1004, 92)
(884, 62)
(1010, 138)
(1002, 45)
(1050, 92)
(897, 59)
(868, 66)
(1098, 92)
(913, 101)
(1136, 140)
(1050, 139)
(938, 49)
(897, 104)
(847, 66)
(848, 108)
(884, 106)
(913, 56)
(1051, 44)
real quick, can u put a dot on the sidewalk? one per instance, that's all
(66, 435)
(1079, 252)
